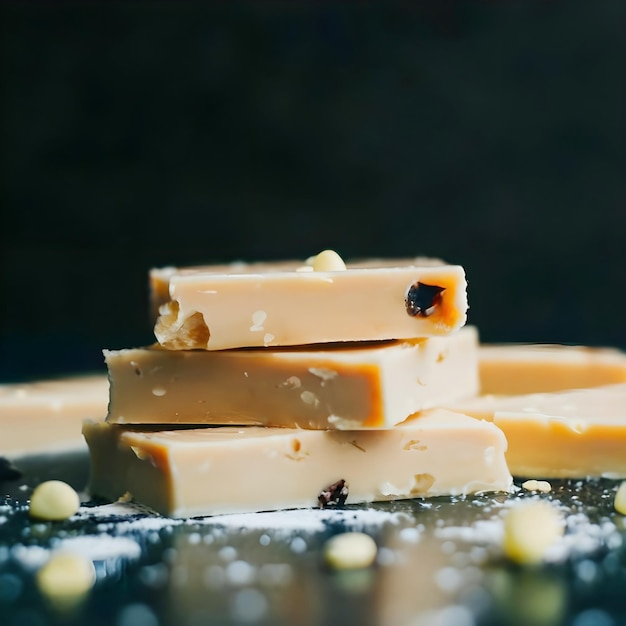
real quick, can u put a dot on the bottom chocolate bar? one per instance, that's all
(208, 471)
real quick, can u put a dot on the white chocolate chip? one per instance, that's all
(328, 261)
(65, 579)
(293, 382)
(620, 499)
(258, 318)
(530, 529)
(324, 373)
(537, 485)
(351, 550)
(53, 500)
(308, 397)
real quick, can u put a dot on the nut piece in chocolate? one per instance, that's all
(334, 495)
(422, 299)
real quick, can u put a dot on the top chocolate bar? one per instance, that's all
(320, 300)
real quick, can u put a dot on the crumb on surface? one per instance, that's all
(537, 485)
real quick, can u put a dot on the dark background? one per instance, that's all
(136, 135)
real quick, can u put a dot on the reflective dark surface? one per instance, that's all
(439, 563)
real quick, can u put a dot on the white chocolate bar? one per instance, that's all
(513, 369)
(208, 471)
(566, 434)
(46, 416)
(265, 305)
(344, 386)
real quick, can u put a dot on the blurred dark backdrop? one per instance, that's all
(135, 135)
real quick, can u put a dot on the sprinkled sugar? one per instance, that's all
(582, 535)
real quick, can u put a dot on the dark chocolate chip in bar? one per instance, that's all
(334, 495)
(422, 299)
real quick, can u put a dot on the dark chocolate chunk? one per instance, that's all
(334, 495)
(8, 471)
(422, 299)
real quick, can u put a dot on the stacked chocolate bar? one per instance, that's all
(297, 384)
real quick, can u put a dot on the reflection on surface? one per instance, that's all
(528, 597)
(407, 588)
(276, 575)
(217, 577)
(439, 562)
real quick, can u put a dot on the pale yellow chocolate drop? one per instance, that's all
(53, 500)
(620, 499)
(530, 529)
(65, 580)
(350, 550)
(537, 485)
(328, 261)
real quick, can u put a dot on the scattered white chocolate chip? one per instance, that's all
(328, 261)
(351, 550)
(530, 529)
(53, 500)
(65, 579)
(537, 485)
(620, 499)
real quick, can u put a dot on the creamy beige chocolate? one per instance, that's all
(567, 434)
(290, 304)
(343, 386)
(533, 368)
(38, 417)
(226, 469)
